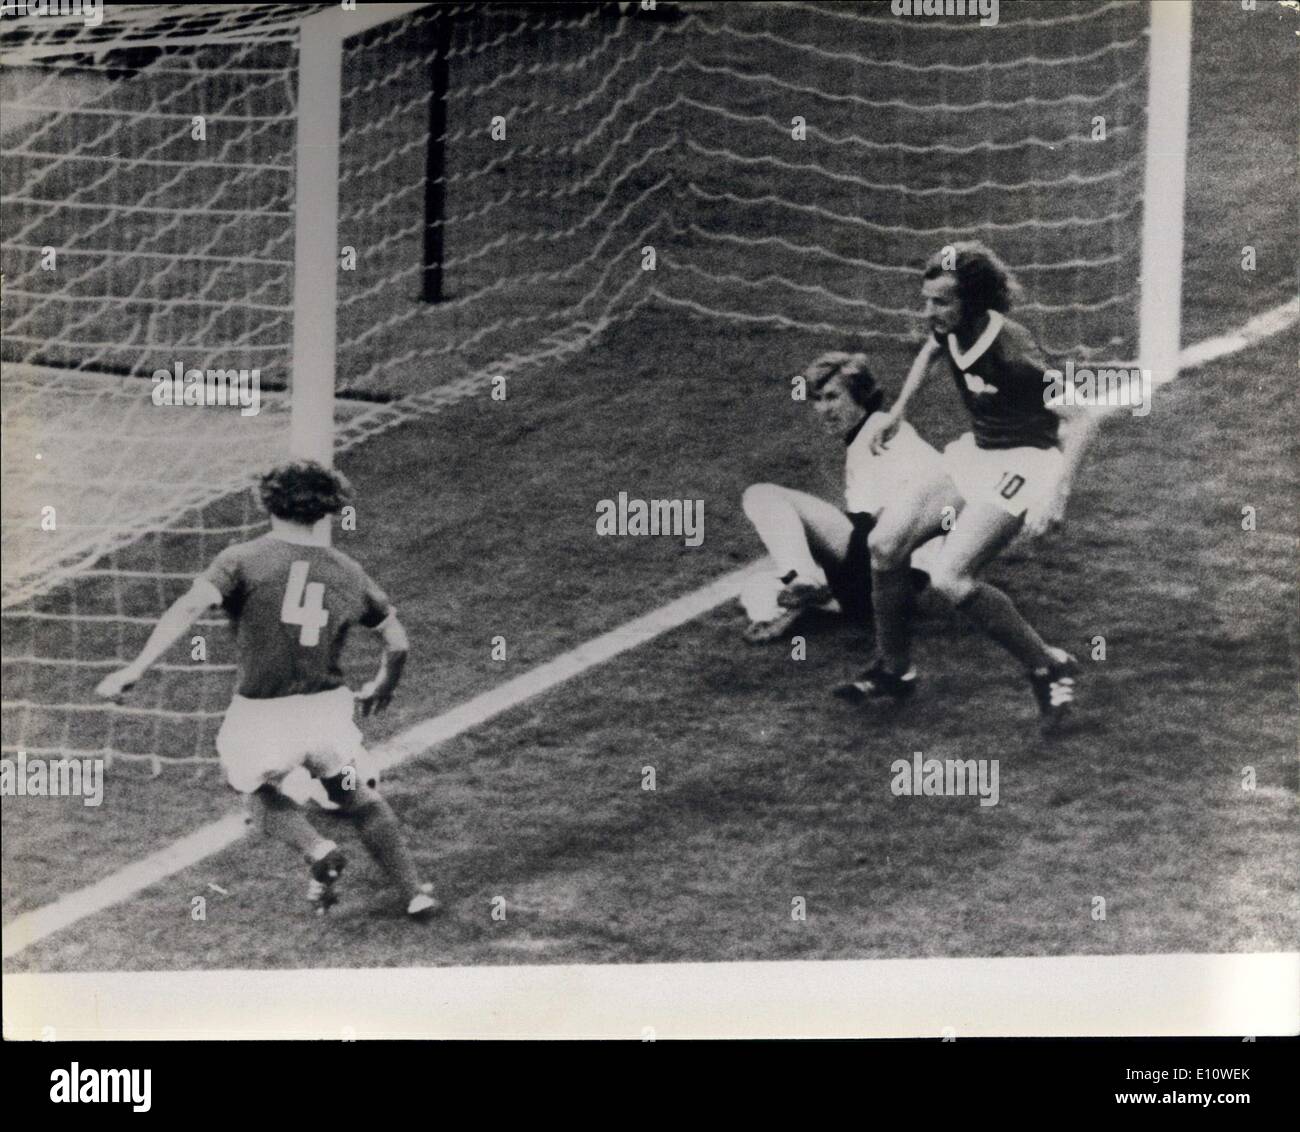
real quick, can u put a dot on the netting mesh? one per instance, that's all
(621, 132)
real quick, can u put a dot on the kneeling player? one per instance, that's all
(291, 602)
(821, 555)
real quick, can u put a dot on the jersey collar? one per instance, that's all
(852, 434)
(980, 345)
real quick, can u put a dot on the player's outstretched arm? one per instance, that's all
(377, 695)
(881, 428)
(1078, 426)
(173, 624)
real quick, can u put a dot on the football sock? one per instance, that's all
(381, 834)
(892, 594)
(781, 531)
(996, 614)
(282, 820)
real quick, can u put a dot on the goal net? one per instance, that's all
(790, 165)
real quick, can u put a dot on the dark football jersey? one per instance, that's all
(1000, 378)
(291, 607)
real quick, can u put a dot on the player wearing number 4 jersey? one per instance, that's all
(1011, 472)
(291, 601)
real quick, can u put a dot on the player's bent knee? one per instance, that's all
(758, 497)
(889, 548)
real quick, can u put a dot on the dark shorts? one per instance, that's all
(850, 580)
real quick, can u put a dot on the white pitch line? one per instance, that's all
(1281, 317)
(629, 635)
(31, 927)
(127, 881)
(36, 925)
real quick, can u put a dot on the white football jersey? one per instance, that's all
(871, 481)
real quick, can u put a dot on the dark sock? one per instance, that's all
(381, 834)
(997, 615)
(283, 821)
(892, 598)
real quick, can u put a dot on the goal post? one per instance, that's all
(372, 129)
(180, 181)
(1164, 188)
(315, 238)
(316, 220)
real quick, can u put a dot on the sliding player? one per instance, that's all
(1010, 472)
(820, 551)
(291, 601)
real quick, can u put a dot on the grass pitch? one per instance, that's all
(766, 789)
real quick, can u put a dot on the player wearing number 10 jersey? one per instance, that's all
(291, 602)
(1012, 472)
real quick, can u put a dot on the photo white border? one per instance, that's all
(1127, 996)
(1249, 995)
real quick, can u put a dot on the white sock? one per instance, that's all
(758, 598)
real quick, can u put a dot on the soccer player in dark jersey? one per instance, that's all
(291, 601)
(1012, 472)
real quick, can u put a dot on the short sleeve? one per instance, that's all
(376, 606)
(223, 574)
(1025, 350)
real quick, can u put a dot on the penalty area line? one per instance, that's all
(40, 923)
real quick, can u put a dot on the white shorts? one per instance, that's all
(262, 741)
(1019, 480)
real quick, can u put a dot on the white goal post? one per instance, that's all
(618, 131)
(316, 222)
(1165, 188)
(316, 264)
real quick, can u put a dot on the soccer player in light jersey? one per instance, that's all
(820, 552)
(1011, 472)
(291, 601)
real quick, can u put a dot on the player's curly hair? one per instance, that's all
(853, 373)
(984, 282)
(303, 491)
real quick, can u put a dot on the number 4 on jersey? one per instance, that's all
(304, 604)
